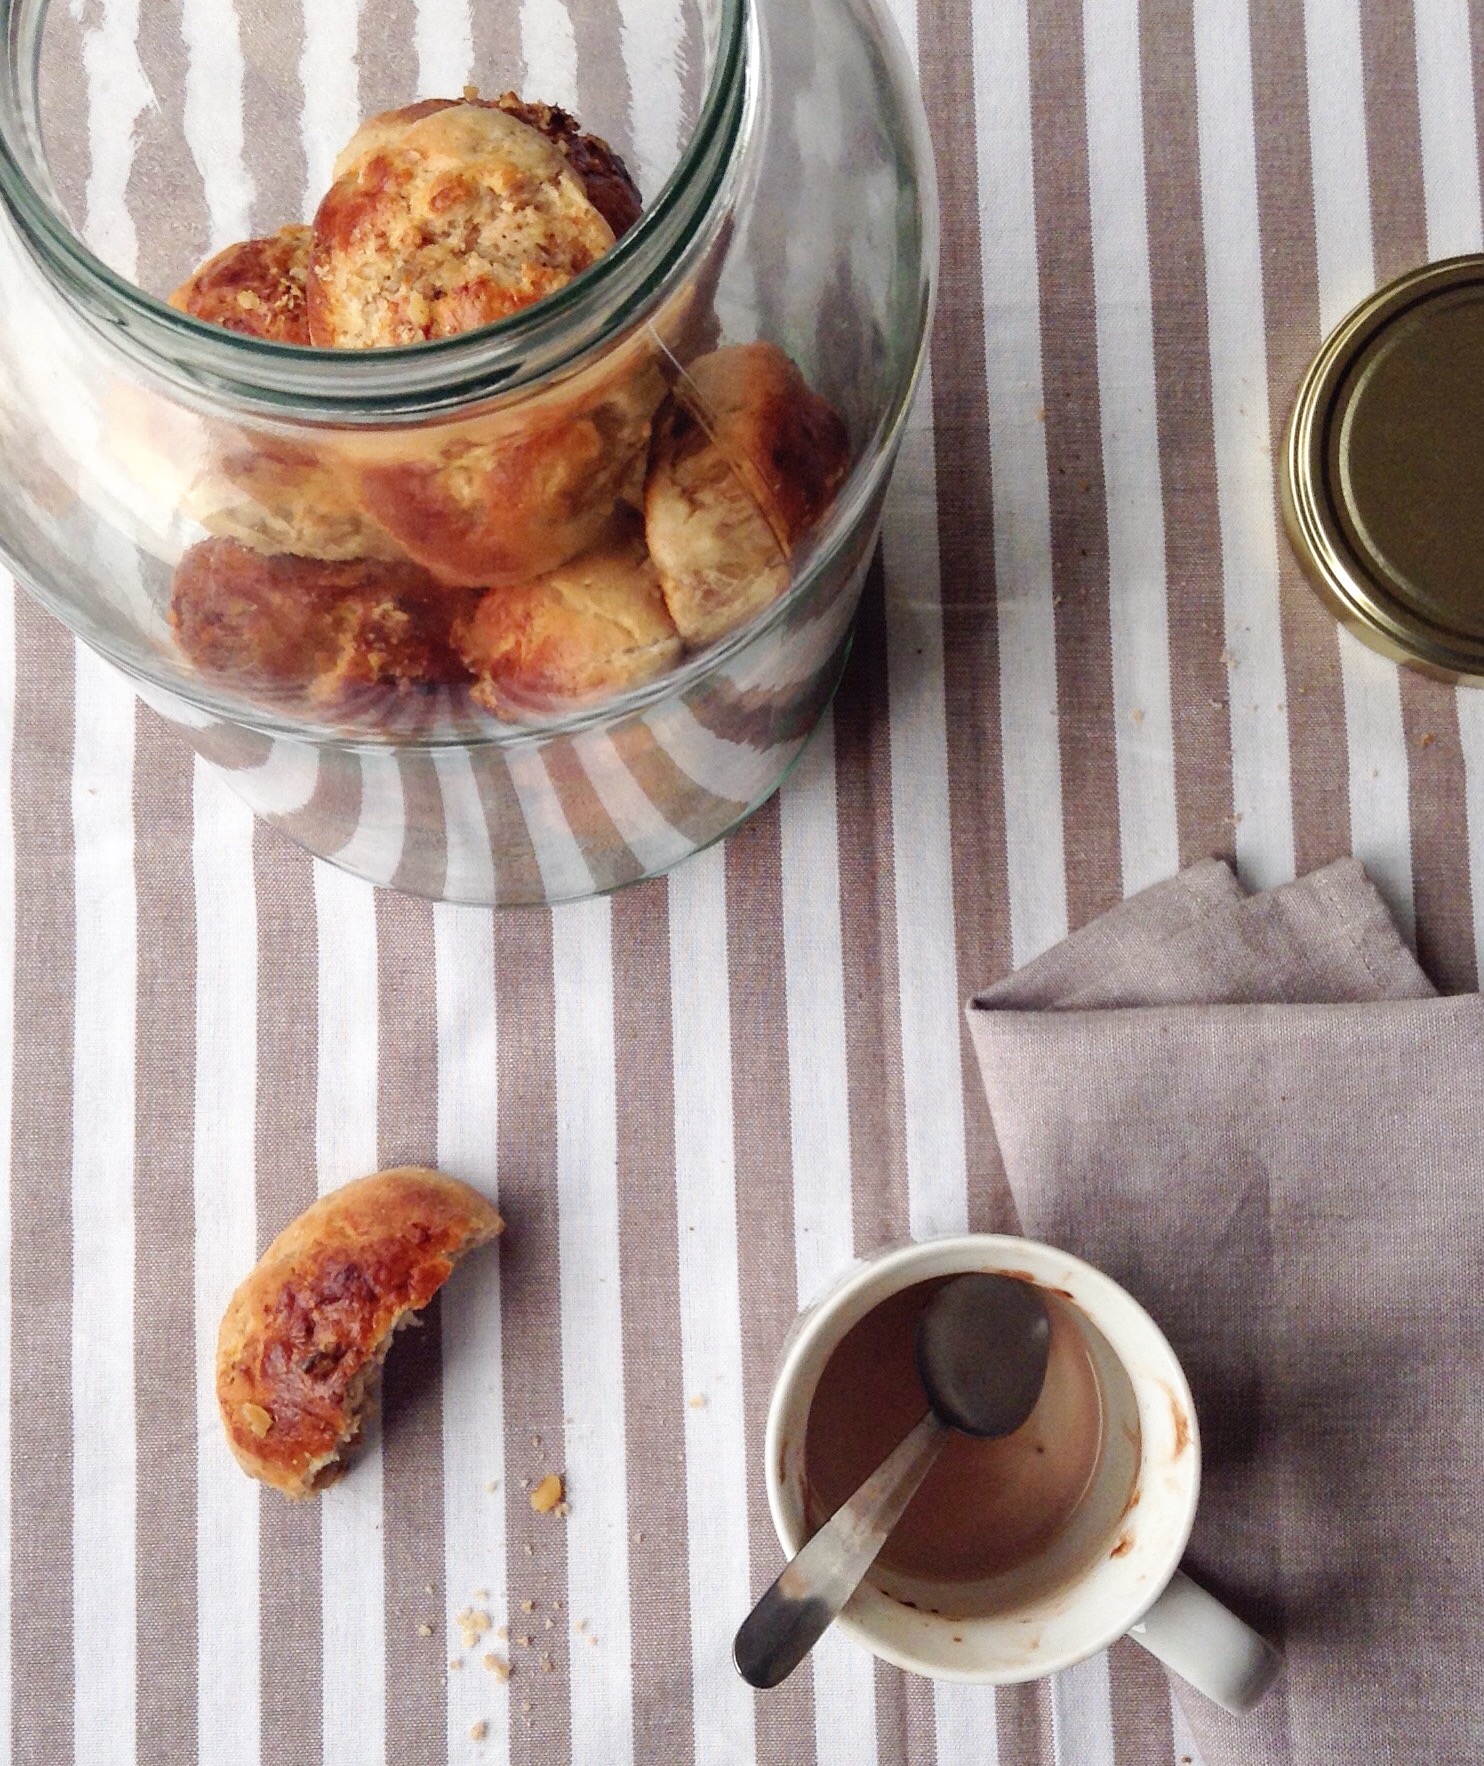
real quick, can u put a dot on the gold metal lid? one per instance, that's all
(1382, 474)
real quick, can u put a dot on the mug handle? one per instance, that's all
(1191, 1632)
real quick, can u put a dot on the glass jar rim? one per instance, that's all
(366, 386)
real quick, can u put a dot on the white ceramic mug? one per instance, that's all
(1113, 1569)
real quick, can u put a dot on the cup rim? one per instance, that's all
(1088, 1288)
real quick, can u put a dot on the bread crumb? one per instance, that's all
(562, 1510)
(548, 1494)
(425, 1630)
(455, 1661)
(547, 1665)
(698, 1401)
(428, 1588)
(638, 1539)
(472, 1623)
(535, 1440)
(592, 1640)
(1426, 740)
(549, 1624)
(478, 1731)
(491, 1487)
(502, 1632)
(499, 1667)
(556, 1606)
(481, 1594)
(1136, 715)
(581, 1625)
(260, 1421)
(529, 1549)
(524, 1642)
(525, 1705)
(528, 1606)
(471, 95)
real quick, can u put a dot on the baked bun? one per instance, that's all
(312, 632)
(497, 500)
(299, 1354)
(255, 287)
(605, 178)
(595, 627)
(441, 220)
(745, 461)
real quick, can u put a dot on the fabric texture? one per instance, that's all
(1085, 659)
(1254, 1113)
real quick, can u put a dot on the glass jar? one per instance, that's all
(785, 153)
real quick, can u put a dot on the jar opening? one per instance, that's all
(301, 78)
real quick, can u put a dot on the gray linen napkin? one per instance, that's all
(1256, 1114)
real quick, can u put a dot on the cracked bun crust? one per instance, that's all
(302, 1342)
(444, 217)
(255, 287)
(313, 632)
(593, 628)
(728, 499)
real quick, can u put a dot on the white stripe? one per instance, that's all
(1143, 726)
(549, 45)
(443, 39)
(564, 872)
(8, 593)
(1450, 179)
(651, 32)
(104, 1444)
(654, 841)
(592, 1331)
(1082, 1714)
(374, 850)
(1380, 807)
(717, 1475)
(1186, 1751)
(1022, 502)
(224, 1175)
(729, 770)
(118, 93)
(819, 1123)
(1261, 790)
(473, 1379)
(922, 831)
(814, 974)
(281, 784)
(922, 844)
(966, 1724)
(212, 117)
(1450, 141)
(470, 875)
(353, 1586)
(330, 80)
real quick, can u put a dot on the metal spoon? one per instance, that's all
(982, 1346)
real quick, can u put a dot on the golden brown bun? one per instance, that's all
(497, 500)
(731, 493)
(313, 632)
(255, 287)
(605, 177)
(301, 1345)
(595, 627)
(278, 495)
(444, 217)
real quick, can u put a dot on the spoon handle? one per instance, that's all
(805, 1600)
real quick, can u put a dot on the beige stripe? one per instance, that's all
(164, 190)
(387, 61)
(608, 855)
(1079, 528)
(1316, 706)
(765, 1224)
(412, 1444)
(164, 1222)
(423, 867)
(966, 564)
(1440, 853)
(287, 1054)
(655, 1400)
(272, 45)
(1141, 1705)
(1198, 681)
(1020, 1735)
(530, 1290)
(41, 1141)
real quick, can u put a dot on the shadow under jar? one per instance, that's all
(788, 201)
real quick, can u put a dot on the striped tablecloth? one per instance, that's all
(1086, 657)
